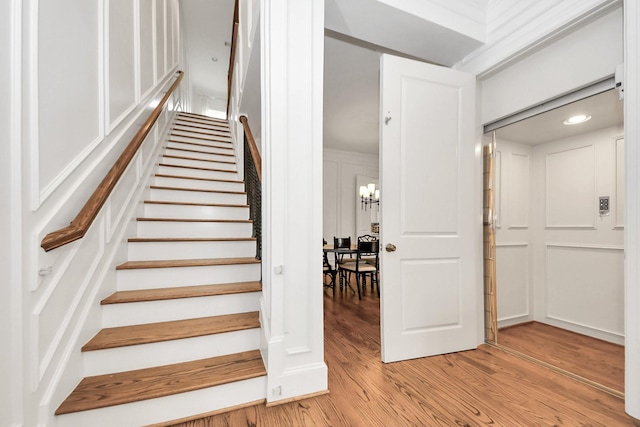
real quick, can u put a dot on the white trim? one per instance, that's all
(34, 117)
(506, 244)
(523, 40)
(39, 196)
(584, 246)
(63, 327)
(15, 274)
(632, 207)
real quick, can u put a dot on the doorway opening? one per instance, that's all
(554, 196)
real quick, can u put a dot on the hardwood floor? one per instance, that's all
(591, 358)
(482, 387)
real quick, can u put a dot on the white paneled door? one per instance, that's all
(429, 286)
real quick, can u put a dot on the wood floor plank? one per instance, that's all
(587, 357)
(171, 263)
(133, 386)
(182, 292)
(224, 145)
(483, 387)
(123, 336)
(197, 168)
(188, 150)
(224, 162)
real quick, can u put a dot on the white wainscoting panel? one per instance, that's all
(147, 55)
(513, 287)
(570, 188)
(161, 44)
(620, 193)
(69, 79)
(121, 58)
(61, 297)
(585, 288)
(519, 190)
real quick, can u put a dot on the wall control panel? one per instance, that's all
(604, 205)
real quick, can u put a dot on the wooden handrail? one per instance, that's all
(232, 56)
(81, 223)
(255, 154)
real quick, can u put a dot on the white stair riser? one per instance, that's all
(144, 278)
(197, 154)
(181, 124)
(198, 164)
(197, 173)
(142, 356)
(220, 148)
(190, 120)
(194, 229)
(139, 251)
(169, 408)
(195, 212)
(199, 133)
(137, 313)
(165, 195)
(218, 140)
(199, 184)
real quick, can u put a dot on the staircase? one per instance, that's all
(181, 335)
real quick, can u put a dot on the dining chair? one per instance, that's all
(342, 243)
(329, 271)
(366, 263)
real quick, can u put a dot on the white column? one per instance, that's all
(632, 212)
(292, 81)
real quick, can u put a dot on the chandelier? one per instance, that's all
(369, 196)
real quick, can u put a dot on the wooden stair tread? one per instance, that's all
(172, 263)
(190, 239)
(236, 181)
(132, 386)
(192, 124)
(220, 129)
(188, 150)
(197, 168)
(200, 144)
(122, 336)
(202, 117)
(217, 137)
(191, 220)
(199, 160)
(179, 292)
(224, 205)
(200, 190)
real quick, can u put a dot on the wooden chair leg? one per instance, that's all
(358, 286)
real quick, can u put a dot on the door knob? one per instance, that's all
(390, 247)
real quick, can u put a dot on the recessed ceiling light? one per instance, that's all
(580, 118)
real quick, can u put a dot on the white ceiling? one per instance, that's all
(207, 25)
(605, 109)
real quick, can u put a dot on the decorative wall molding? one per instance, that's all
(570, 192)
(39, 195)
(521, 35)
(519, 197)
(44, 358)
(584, 246)
(620, 193)
(576, 268)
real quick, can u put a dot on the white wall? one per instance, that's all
(513, 204)
(578, 281)
(563, 265)
(585, 56)
(341, 203)
(90, 78)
